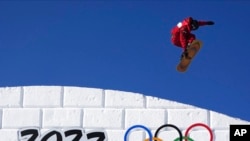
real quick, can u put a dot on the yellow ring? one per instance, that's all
(154, 139)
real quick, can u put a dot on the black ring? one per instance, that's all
(169, 125)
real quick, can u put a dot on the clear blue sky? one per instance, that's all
(126, 46)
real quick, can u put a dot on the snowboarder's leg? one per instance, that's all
(191, 37)
(175, 40)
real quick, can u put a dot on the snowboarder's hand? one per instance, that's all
(210, 23)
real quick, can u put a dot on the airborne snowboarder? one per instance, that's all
(181, 33)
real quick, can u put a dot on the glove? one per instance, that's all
(210, 23)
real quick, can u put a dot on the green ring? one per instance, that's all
(186, 138)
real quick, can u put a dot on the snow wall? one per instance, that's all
(51, 113)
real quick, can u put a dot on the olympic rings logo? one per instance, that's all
(180, 138)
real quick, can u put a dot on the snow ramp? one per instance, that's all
(63, 113)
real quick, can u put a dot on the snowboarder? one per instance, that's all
(181, 33)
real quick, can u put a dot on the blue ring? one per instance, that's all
(139, 126)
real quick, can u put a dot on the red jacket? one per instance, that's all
(181, 33)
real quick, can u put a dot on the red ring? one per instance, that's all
(200, 124)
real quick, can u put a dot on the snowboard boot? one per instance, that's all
(185, 55)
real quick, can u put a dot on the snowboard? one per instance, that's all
(192, 50)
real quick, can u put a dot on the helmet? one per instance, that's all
(194, 25)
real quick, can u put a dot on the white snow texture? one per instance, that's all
(112, 111)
